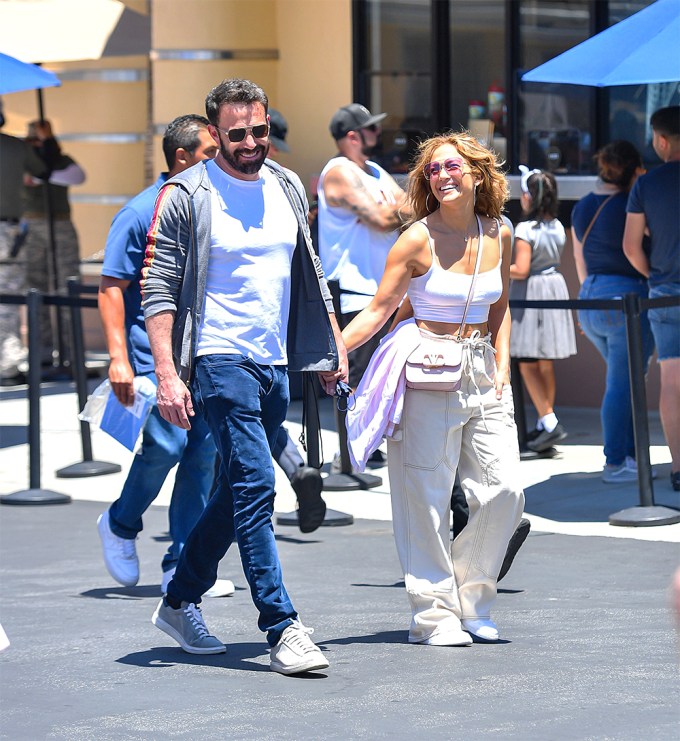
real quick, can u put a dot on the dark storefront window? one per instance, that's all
(396, 75)
(555, 121)
(478, 88)
(439, 64)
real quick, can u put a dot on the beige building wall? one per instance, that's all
(110, 114)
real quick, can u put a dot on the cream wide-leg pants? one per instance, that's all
(439, 433)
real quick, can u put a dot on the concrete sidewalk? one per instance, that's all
(589, 652)
(564, 494)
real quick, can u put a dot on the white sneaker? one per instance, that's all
(625, 472)
(295, 652)
(485, 631)
(221, 588)
(120, 554)
(446, 638)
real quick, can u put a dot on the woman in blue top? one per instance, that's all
(598, 222)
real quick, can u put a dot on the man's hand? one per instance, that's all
(174, 401)
(329, 379)
(121, 378)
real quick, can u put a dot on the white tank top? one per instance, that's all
(440, 295)
(351, 252)
(247, 297)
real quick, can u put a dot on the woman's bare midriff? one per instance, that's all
(449, 328)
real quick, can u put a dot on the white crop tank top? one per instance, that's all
(440, 295)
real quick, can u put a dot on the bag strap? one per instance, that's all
(594, 219)
(478, 261)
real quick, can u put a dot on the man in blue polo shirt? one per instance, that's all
(186, 142)
(653, 206)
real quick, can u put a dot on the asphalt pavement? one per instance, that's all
(589, 644)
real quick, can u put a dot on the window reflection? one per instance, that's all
(555, 121)
(398, 78)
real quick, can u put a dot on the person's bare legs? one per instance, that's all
(547, 371)
(669, 403)
(535, 383)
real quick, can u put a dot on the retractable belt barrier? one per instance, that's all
(646, 514)
(34, 300)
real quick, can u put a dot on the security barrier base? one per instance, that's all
(645, 516)
(29, 497)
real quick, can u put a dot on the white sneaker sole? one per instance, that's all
(169, 630)
(310, 665)
(457, 638)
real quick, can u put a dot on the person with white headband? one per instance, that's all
(540, 336)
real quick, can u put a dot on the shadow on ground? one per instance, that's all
(583, 497)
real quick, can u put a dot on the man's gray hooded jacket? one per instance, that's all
(176, 266)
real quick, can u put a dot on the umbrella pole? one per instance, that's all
(53, 267)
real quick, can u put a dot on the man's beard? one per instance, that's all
(366, 150)
(248, 167)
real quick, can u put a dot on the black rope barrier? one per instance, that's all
(88, 466)
(34, 495)
(647, 513)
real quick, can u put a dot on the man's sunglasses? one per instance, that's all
(259, 131)
(433, 169)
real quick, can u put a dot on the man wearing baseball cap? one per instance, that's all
(361, 207)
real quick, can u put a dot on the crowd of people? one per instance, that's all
(405, 295)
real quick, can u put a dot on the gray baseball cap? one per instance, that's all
(353, 117)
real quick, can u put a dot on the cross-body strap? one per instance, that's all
(594, 219)
(478, 261)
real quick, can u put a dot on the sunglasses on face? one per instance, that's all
(433, 169)
(259, 131)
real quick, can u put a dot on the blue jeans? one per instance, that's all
(607, 331)
(665, 322)
(163, 446)
(244, 404)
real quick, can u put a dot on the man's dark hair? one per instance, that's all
(182, 132)
(666, 121)
(233, 91)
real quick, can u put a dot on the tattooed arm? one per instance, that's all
(343, 188)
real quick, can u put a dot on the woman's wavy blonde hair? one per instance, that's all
(492, 191)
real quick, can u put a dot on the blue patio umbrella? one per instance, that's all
(642, 49)
(16, 76)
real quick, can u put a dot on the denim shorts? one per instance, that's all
(665, 322)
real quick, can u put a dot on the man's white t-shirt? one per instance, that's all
(247, 298)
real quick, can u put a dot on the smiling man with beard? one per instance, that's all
(234, 296)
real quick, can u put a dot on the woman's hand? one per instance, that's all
(502, 379)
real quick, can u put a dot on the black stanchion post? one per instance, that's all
(332, 518)
(525, 453)
(34, 495)
(647, 513)
(88, 466)
(347, 480)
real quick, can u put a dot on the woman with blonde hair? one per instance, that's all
(449, 408)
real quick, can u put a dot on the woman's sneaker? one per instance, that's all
(295, 652)
(626, 471)
(187, 627)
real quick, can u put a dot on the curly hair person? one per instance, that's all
(492, 191)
